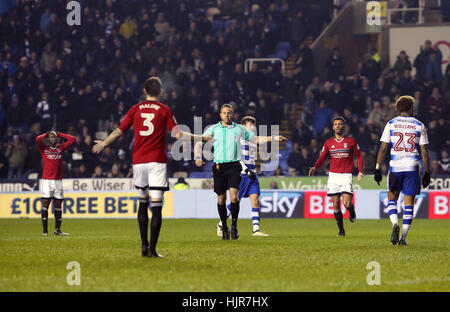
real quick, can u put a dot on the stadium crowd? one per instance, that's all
(82, 79)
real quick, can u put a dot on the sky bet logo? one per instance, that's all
(282, 204)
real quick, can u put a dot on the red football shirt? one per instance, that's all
(341, 153)
(52, 156)
(149, 120)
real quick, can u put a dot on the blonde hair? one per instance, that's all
(248, 119)
(404, 103)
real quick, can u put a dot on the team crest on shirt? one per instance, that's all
(235, 138)
(345, 145)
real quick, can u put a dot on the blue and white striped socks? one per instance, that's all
(407, 220)
(392, 211)
(255, 219)
(254, 214)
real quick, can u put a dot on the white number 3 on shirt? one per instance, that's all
(148, 123)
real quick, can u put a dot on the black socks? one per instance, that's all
(58, 218)
(44, 218)
(155, 225)
(223, 214)
(234, 207)
(339, 220)
(143, 222)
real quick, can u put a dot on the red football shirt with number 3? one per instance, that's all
(149, 120)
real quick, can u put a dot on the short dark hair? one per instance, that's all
(338, 118)
(226, 105)
(153, 86)
(248, 119)
(404, 103)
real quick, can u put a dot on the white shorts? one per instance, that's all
(339, 183)
(52, 188)
(151, 175)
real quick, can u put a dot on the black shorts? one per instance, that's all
(226, 175)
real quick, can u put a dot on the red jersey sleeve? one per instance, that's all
(39, 142)
(70, 140)
(127, 122)
(323, 156)
(358, 155)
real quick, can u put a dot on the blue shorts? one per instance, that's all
(407, 182)
(248, 186)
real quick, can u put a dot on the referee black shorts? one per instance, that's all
(226, 175)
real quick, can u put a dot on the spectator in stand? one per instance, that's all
(388, 108)
(279, 172)
(428, 63)
(162, 28)
(406, 84)
(338, 98)
(313, 149)
(301, 133)
(305, 64)
(335, 65)
(16, 153)
(129, 28)
(435, 139)
(43, 110)
(289, 86)
(115, 171)
(15, 116)
(295, 158)
(322, 117)
(445, 84)
(4, 165)
(371, 67)
(98, 173)
(436, 168)
(435, 105)
(377, 115)
(402, 63)
(444, 161)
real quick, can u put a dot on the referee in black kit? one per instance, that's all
(227, 164)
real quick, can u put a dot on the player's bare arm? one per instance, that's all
(426, 162)
(359, 177)
(181, 135)
(100, 146)
(381, 153)
(267, 139)
(311, 172)
(198, 154)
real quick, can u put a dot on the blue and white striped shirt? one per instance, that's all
(249, 152)
(404, 134)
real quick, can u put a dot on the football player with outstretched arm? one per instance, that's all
(341, 149)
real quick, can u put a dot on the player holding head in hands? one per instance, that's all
(51, 187)
(404, 133)
(341, 149)
(227, 166)
(149, 120)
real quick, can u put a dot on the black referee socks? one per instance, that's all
(234, 207)
(222, 209)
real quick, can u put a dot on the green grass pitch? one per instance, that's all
(299, 255)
